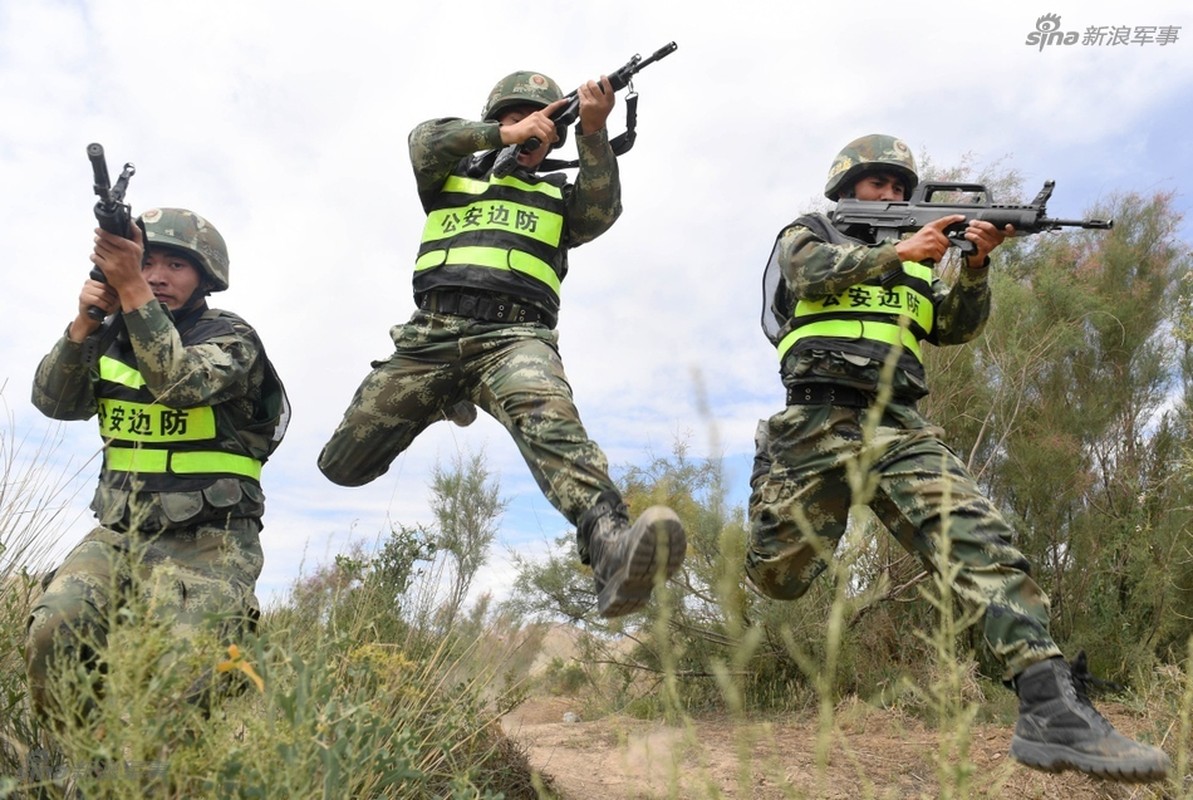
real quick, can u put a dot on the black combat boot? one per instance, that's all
(624, 557)
(1059, 728)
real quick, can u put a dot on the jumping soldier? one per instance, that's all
(838, 306)
(487, 285)
(189, 409)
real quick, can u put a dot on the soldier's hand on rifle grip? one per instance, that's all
(929, 243)
(596, 103)
(121, 260)
(95, 297)
(96, 313)
(984, 237)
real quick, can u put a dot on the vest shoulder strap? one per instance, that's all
(273, 416)
(776, 304)
(824, 229)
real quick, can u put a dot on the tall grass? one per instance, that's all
(37, 488)
(307, 709)
(346, 690)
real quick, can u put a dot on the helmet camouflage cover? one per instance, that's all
(184, 230)
(871, 153)
(520, 89)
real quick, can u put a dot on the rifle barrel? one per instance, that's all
(663, 51)
(1095, 224)
(99, 168)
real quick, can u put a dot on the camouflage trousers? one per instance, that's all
(917, 487)
(513, 372)
(192, 579)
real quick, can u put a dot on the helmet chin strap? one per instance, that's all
(197, 298)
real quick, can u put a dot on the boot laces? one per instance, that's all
(1086, 684)
(611, 520)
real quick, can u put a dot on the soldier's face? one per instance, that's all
(885, 186)
(171, 276)
(531, 159)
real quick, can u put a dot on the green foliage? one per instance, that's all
(702, 618)
(351, 689)
(564, 678)
(339, 712)
(467, 504)
(31, 512)
(1076, 420)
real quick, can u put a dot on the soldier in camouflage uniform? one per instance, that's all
(189, 408)
(487, 283)
(838, 306)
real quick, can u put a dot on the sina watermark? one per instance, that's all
(1048, 33)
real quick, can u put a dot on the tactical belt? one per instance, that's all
(485, 307)
(824, 394)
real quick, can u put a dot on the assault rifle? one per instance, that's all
(112, 213)
(889, 220)
(507, 159)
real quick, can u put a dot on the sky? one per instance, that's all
(284, 122)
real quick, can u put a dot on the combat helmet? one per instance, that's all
(197, 238)
(522, 89)
(870, 153)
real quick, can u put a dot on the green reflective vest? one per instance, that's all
(164, 449)
(896, 312)
(867, 319)
(496, 235)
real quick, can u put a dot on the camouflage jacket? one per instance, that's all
(185, 363)
(813, 268)
(441, 147)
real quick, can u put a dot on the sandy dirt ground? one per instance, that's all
(875, 754)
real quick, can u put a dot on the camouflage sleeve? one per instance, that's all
(437, 145)
(62, 387)
(962, 311)
(594, 202)
(813, 267)
(178, 376)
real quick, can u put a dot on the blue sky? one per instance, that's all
(285, 124)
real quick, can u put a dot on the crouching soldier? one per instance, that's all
(189, 408)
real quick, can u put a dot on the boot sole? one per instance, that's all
(1058, 758)
(661, 546)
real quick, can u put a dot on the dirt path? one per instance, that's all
(876, 754)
